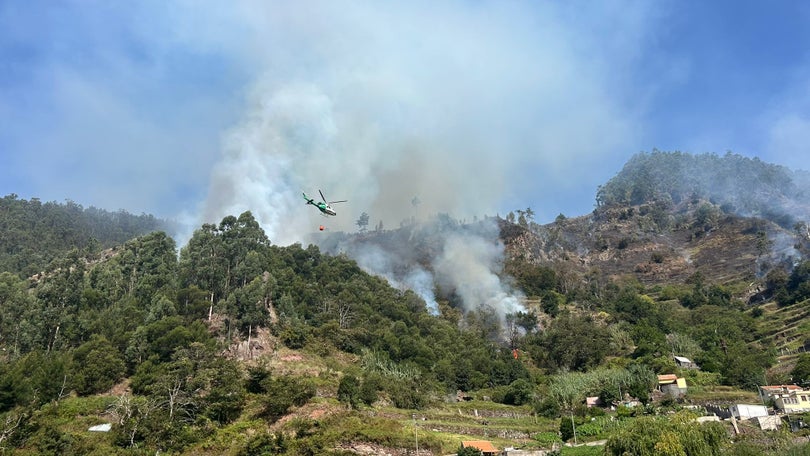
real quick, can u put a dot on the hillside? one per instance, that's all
(620, 241)
(647, 229)
(667, 216)
(438, 331)
(737, 184)
(35, 233)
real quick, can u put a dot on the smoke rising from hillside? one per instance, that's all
(462, 262)
(402, 273)
(467, 265)
(454, 104)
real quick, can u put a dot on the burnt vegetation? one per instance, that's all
(696, 256)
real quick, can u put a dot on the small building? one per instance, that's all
(685, 363)
(672, 385)
(593, 401)
(746, 411)
(485, 446)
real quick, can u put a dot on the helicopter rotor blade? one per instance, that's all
(324, 198)
(341, 201)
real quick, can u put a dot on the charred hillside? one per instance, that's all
(662, 229)
(619, 241)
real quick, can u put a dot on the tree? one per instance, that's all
(244, 246)
(362, 222)
(349, 390)
(801, 372)
(97, 366)
(150, 267)
(520, 392)
(369, 387)
(679, 435)
(202, 263)
(285, 392)
(570, 342)
(249, 305)
(522, 219)
(226, 391)
(60, 297)
(529, 215)
(18, 334)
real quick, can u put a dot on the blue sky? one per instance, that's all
(193, 110)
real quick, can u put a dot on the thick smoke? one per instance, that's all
(467, 265)
(379, 104)
(272, 157)
(462, 262)
(400, 274)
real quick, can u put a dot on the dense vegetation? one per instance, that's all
(162, 321)
(737, 184)
(36, 233)
(149, 338)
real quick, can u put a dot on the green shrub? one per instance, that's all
(264, 443)
(468, 451)
(285, 392)
(547, 407)
(547, 439)
(519, 392)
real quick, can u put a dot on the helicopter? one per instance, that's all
(323, 206)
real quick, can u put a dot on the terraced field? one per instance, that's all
(787, 328)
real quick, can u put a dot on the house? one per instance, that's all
(672, 385)
(773, 390)
(776, 391)
(485, 446)
(745, 411)
(787, 398)
(685, 363)
(795, 402)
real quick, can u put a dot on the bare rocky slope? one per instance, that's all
(659, 247)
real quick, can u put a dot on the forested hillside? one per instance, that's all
(36, 233)
(737, 184)
(233, 345)
(168, 323)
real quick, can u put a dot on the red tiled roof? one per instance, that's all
(781, 387)
(484, 445)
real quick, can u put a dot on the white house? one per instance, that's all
(745, 411)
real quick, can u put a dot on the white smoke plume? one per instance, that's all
(400, 274)
(468, 264)
(454, 104)
(378, 103)
(437, 259)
